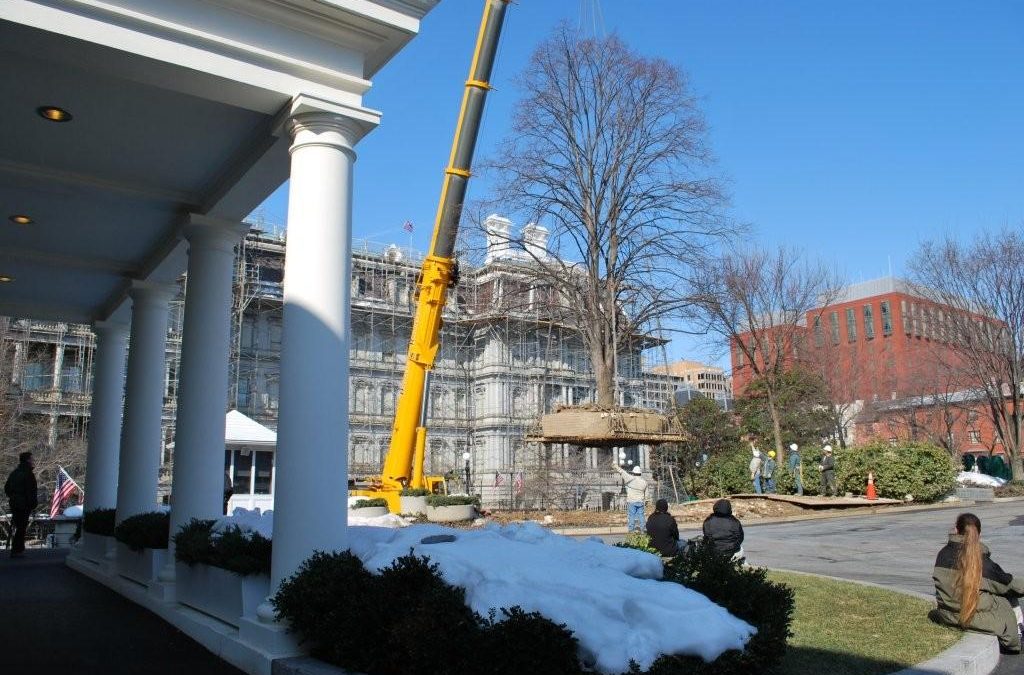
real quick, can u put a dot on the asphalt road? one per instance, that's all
(892, 549)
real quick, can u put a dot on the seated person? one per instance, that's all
(723, 530)
(972, 591)
(663, 530)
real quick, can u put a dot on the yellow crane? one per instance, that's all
(403, 466)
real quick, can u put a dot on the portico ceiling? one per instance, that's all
(172, 114)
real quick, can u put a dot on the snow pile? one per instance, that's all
(609, 597)
(979, 479)
(73, 511)
(253, 520)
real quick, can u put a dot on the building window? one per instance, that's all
(242, 479)
(915, 321)
(904, 317)
(851, 325)
(264, 462)
(974, 436)
(886, 318)
(869, 321)
(833, 319)
(819, 339)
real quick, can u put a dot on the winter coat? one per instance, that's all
(664, 532)
(755, 466)
(636, 487)
(723, 530)
(994, 614)
(793, 462)
(769, 467)
(828, 463)
(21, 489)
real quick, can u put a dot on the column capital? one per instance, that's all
(313, 121)
(151, 292)
(110, 329)
(216, 233)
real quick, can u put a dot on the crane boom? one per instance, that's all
(403, 466)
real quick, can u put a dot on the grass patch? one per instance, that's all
(848, 629)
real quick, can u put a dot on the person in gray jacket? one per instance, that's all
(636, 495)
(828, 473)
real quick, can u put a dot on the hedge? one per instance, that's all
(924, 471)
(233, 550)
(414, 492)
(452, 500)
(99, 521)
(145, 530)
(369, 503)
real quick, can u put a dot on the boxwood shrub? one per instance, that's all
(415, 492)
(99, 521)
(232, 550)
(367, 503)
(145, 530)
(452, 500)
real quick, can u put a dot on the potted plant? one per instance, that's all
(98, 543)
(371, 508)
(414, 501)
(451, 508)
(223, 574)
(142, 546)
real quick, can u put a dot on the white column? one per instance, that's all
(143, 401)
(105, 415)
(312, 435)
(198, 482)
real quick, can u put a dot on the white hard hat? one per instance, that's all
(827, 448)
(637, 470)
(794, 447)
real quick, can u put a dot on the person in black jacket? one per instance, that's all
(663, 530)
(23, 496)
(723, 530)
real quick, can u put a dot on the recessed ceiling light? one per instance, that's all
(5, 278)
(21, 219)
(54, 114)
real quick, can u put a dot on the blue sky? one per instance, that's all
(851, 130)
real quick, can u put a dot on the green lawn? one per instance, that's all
(848, 629)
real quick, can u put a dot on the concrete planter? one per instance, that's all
(219, 593)
(370, 511)
(140, 566)
(413, 505)
(96, 547)
(451, 514)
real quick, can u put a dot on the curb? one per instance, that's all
(973, 654)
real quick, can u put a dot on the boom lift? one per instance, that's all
(403, 466)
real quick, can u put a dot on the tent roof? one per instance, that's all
(242, 430)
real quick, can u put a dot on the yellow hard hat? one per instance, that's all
(771, 453)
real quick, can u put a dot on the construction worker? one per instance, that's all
(796, 468)
(636, 494)
(828, 473)
(756, 463)
(768, 472)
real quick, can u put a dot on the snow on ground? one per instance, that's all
(611, 598)
(980, 479)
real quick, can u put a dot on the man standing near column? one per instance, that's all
(23, 496)
(636, 493)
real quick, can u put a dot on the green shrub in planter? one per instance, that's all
(452, 500)
(367, 503)
(925, 471)
(415, 492)
(745, 593)
(232, 550)
(145, 530)
(99, 521)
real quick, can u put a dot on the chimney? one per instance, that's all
(499, 244)
(535, 241)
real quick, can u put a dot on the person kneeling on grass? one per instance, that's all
(663, 530)
(972, 591)
(723, 530)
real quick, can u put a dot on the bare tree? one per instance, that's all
(607, 151)
(982, 283)
(758, 301)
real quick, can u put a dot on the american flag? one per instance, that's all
(65, 486)
(499, 480)
(517, 483)
(407, 226)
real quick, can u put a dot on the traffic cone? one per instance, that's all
(871, 493)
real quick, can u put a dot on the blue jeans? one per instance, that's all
(757, 483)
(799, 485)
(635, 515)
(769, 485)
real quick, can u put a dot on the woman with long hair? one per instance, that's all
(972, 591)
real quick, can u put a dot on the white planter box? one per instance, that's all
(370, 511)
(413, 505)
(141, 566)
(96, 547)
(451, 514)
(219, 593)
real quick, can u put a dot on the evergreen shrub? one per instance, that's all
(452, 500)
(243, 553)
(639, 541)
(368, 503)
(99, 521)
(414, 492)
(145, 530)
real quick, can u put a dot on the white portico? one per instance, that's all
(137, 136)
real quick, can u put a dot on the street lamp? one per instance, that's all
(465, 457)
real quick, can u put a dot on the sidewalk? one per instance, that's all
(57, 620)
